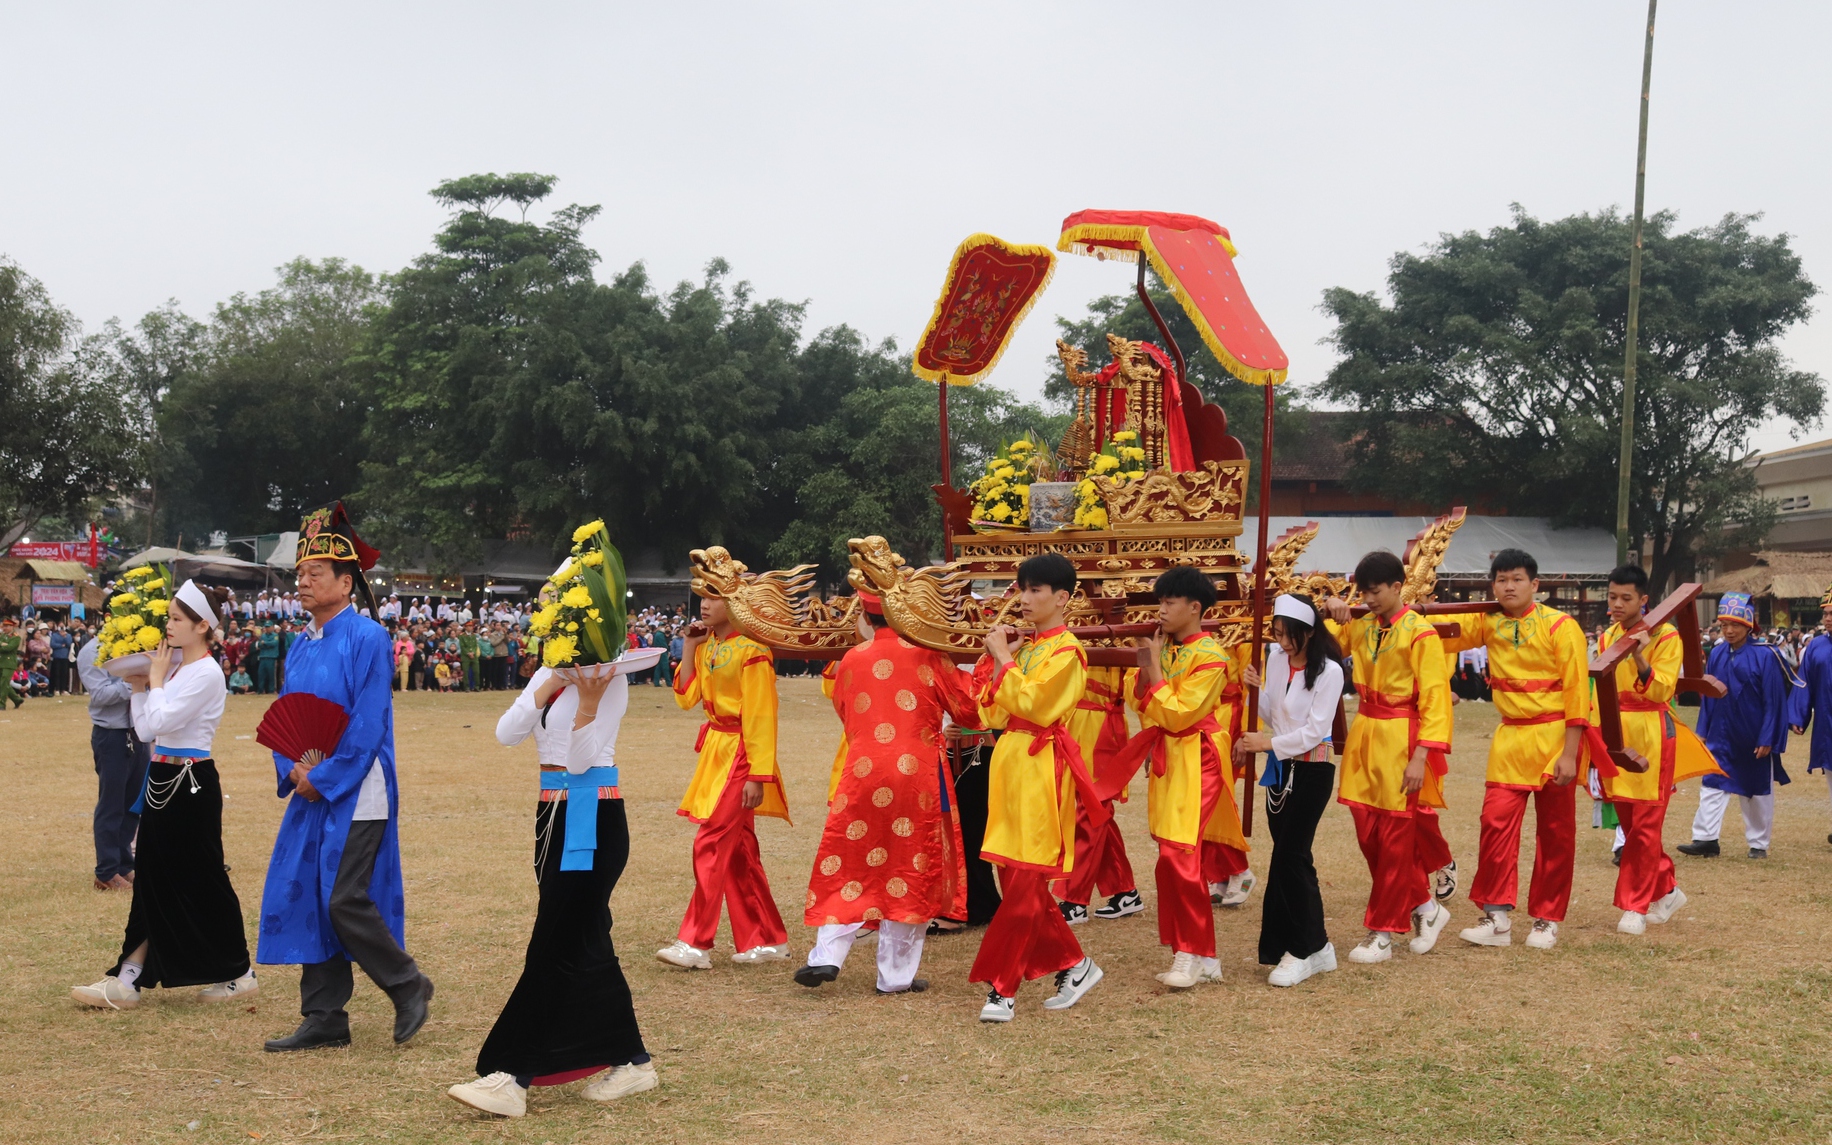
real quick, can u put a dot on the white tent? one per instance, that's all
(1343, 541)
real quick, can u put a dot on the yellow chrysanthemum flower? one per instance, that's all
(127, 624)
(1125, 435)
(148, 637)
(1097, 519)
(570, 571)
(578, 596)
(138, 572)
(1106, 463)
(592, 559)
(158, 607)
(584, 531)
(1000, 511)
(1132, 453)
(123, 602)
(153, 585)
(558, 650)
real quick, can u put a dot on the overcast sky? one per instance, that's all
(837, 153)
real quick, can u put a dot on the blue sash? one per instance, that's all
(1274, 775)
(581, 812)
(146, 777)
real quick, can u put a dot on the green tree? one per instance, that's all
(1125, 315)
(264, 418)
(1496, 372)
(71, 433)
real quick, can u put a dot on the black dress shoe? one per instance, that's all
(1615, 857)
(916, 986)
(1758, 852)
(812, 976)
(1700, 848)
(316, 1032)
(410, 1007)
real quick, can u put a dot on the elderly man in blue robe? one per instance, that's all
(1815, 696)
(1746, 731)
(333, 893)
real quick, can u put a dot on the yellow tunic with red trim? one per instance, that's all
(1030, 804)
(1648, 723)
(1187, 708)
(1538, 672)
(735, 681)
(1404, 689)
(1231, 713)
(891, 848)
(1098, 722)
(839, 756)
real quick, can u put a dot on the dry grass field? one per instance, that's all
(1713, 1028)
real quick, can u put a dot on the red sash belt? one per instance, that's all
(715, 724)
(1638, 704)
(1593, 735)
(1068, 754)
(1376, 706)
(1528, 721)
(1149, 744)
(1514, 684)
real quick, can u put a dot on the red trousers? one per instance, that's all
(1186, 919)
(1555, 835)
(1647, 869)
(1396, 847)
(1221, 862)
(1100, 861)
(1027, 937)
(727, 869)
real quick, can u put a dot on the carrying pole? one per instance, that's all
(947, 471)
(1626, 461)
(1259, 600)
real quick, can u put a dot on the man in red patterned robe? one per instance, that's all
(890, 856)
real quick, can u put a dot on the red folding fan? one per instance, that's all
(299, 722)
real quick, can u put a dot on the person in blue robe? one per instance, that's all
(333, 894)
(1746, 731)
(1815, 696)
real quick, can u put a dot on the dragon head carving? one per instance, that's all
(716, 573)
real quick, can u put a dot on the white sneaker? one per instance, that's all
(1323, 961)
(1217, 891)
(1182, 972)
(1495, 929)
(684, 956)
(109, 994)
(623, 1081)
(1290, 971)
(1633, 922)
(1239, 887)
(997, 1008)
(496, 1094)
(1208, 969)
(1667, 907)
(243, 987)
(756, 954)
(1444, 881)
(1428, 927)
(1073, 913)
(1545, 934)
(1072, 983)
(1376, 947)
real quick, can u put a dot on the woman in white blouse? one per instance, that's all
(1299, 695)
(185, 925)
(570, 1015)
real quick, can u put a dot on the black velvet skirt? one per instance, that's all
(571, 1012)
(184, 907)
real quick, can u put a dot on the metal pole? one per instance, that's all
(1259, 597)
(1626, 462)
(947, 472)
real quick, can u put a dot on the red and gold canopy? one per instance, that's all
(1195, 258)
(990, 287)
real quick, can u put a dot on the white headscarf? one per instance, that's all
(1292, 608)
(195, 600)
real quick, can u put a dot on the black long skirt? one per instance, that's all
(184, 907)
(571, 1011)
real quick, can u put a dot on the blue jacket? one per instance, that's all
(1753, 714)
(1813, 697)
(351, 665)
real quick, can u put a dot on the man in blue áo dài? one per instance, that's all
(1815, 695)
(1746, 731)
(333, 891)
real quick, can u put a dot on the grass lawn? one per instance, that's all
(1712, 1028)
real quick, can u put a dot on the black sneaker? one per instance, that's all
(1074, 913)
(1444, 881)
(1699, 848)
(1121, 905)
(812, 976)
(1758, 852)
(1615, 857)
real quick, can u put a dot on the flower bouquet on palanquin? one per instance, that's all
(1119, 461)
(584, 624)
(1001, 498)
(136, 622)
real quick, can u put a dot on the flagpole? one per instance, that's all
(1626, 460)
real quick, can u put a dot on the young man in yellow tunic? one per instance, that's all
(1394, 762)
(1178, 690)
(1035, 778)
(1645, 684)
(1098, 724)
(734, 678)
(1537, 663)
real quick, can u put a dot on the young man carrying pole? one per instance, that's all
(1537, 670)
(1394, 762)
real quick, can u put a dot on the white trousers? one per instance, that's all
(1758, 815)
(899, 950)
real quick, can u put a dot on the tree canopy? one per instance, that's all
(1502, 353)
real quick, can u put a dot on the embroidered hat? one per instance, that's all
(1826, 600)
(326, 534)
(1737, 606)
(871, 602)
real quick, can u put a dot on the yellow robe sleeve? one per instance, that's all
(1574, 671)
(757, 711)
(1177, 704)
(1046, 694)
(1472, 631)
(689, 688)
(1427, 654)
(1666, 658)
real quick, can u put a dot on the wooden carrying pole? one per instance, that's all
(947, 472)
(1259, 601)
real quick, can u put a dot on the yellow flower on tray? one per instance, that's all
(593, 559)
(558, 650)
(149, 638)
(158, 607)
(122, 602)
(584, 531)
(583, 615)
(578, 596)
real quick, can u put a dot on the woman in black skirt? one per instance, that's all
(570, 1016)
(1298, 698)
(185, 925)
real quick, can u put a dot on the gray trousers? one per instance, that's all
(325, 987)
(120, 768)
